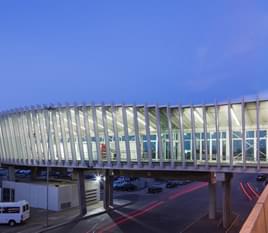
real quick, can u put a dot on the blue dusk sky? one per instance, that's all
(165, 52)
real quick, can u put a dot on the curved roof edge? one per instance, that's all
(66, 105)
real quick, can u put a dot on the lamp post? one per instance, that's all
(48, 154)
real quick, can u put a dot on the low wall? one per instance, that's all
(257, 221)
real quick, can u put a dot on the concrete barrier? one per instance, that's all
(257, 221)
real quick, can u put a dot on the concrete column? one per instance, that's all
(34, 171)
(11, 173)
(81, 191)
(212, 196)
(226, 207)
(108, 190)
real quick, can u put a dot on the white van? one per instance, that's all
(14, 212)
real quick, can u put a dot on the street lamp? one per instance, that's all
(50, 108)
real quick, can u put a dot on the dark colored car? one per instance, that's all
(128, 187)
(172, 184)
(261, 177)
(155, 189)
(23, 173)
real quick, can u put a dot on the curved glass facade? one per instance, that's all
(221, 135)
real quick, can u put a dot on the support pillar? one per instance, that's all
(108, 190)
(34, 172)
(212, 196)
(226, 208)
(81, 191)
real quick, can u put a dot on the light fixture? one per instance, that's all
(198, 116)
(234, 117)
(111, 119)
(98, 178)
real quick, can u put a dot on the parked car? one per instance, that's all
(3, 172)
(117, 185)
(128, 187)
(261, 177)
(90, 177)
(172, 184)
(155, 189)
(23, 173)
(121, 178)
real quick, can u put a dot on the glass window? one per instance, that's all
(10, 210)
(249, 134)
(164, 133)
(131, 133)
(176, 133)
(250, 127)
(65, 134)
(263, 150)
(263, 125)
(262, 133)
(108, 118)
(199, 128)
(142, 133)
(92, 133)
(121, 133)
(249, 150)
(153, 132)
(237, 132)
(211, 129)
(187, 134)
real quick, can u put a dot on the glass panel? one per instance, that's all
(55, 135)
(249, 149)
(27, 139)
(142, 133)
(73, 134)
(211, 134)
(111, 137)
(52, 135)
(237, 132)
(176, 134)
(60, 137)
(92, 133)
(164, 134)
(67, 133)
(187, 134)
(153, 132)
(131, 133)
(2, 141)
(102, 146)
(121, 133)
(263, 146)
(224, 133)
(80, 130)
(250, 126)
(43, 134)
(199, 131)
(263, 125)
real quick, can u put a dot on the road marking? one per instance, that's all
(132, 213)
(245, 192)
(252, 190)
(129, 217)
(188, 190)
